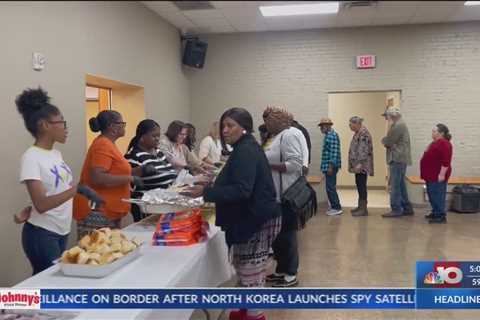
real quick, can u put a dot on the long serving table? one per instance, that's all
(200, 265)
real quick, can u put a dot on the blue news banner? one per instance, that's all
(227, 298)
(439, 285)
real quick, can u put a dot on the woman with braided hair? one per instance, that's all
(142, 151)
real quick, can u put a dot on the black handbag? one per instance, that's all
(300, 197)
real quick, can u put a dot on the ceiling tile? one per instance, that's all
(233, 4)
(249, 27)
(320, 22)
(433, 14)
(203, 14)
(178, 20)
(437, 4)
(222, 29)
(210, 22)
(355, 16)
(284, 23)
(161, 6)
(245, 16)
(241, 12)
(466, 14)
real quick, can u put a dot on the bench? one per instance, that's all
(315, 179)
(416, 180)
(452, 180)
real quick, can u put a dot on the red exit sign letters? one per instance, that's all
(365, 62)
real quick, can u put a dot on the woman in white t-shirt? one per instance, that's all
(211, 146)
(48, 180)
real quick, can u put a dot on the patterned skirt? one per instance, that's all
(95, 220)
(251, 259)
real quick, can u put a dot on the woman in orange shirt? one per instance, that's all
(107, 172)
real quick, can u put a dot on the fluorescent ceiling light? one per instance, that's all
(472, 3)
(299, 9)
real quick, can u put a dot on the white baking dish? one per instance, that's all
(89, 271)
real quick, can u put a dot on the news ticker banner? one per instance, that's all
(439, 285)
(211, 298)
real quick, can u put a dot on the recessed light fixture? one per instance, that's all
(472, 3)
(300, 9)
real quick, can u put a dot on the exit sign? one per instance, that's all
(365, 62)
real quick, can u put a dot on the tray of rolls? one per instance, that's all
(99, 253)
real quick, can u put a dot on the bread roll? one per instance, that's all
(94, 256)
(82, 258)
(116, 246)
(117, 255)
(85, 242)
(127, 246)
(93, 263)
(107, 231)
(100, 247)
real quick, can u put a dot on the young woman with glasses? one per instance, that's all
(49, 182)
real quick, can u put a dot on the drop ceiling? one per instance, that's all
(245, 16)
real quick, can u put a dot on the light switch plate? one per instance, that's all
(38, 61)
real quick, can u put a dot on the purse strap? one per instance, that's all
(281, 161)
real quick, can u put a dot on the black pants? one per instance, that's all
(137, 214)
(42, 246)
(285, 247)
(361, 182)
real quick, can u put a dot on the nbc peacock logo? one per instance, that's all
(444, 275)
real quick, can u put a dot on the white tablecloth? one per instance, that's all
(200, 265)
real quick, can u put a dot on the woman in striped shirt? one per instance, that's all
(142, 151)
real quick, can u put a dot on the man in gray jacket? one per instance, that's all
(397, 143)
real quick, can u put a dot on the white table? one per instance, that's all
(200, 265)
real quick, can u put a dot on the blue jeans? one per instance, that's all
(331, 186)
(398, 195)
(41, 246)
(437, 193)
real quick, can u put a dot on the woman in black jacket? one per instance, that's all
(244, 197)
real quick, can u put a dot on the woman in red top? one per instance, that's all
(435, 169)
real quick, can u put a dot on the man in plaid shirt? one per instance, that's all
(331, 163)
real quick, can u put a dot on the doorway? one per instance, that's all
(107, 94)
(368, 105)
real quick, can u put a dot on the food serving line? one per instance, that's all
(204, 264)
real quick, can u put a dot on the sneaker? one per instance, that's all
(408, 211)
(429, 216)
(283, 283)
(442, 219)
(274, 277)
(334, 212)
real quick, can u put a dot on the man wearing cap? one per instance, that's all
(331, 163)
(397, 143)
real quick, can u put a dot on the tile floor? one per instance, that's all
(344, 251)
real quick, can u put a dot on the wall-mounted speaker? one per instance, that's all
(194, 53)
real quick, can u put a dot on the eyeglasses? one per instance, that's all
(122, 123)
(58, 122)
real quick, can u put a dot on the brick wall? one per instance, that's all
(436, 66)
